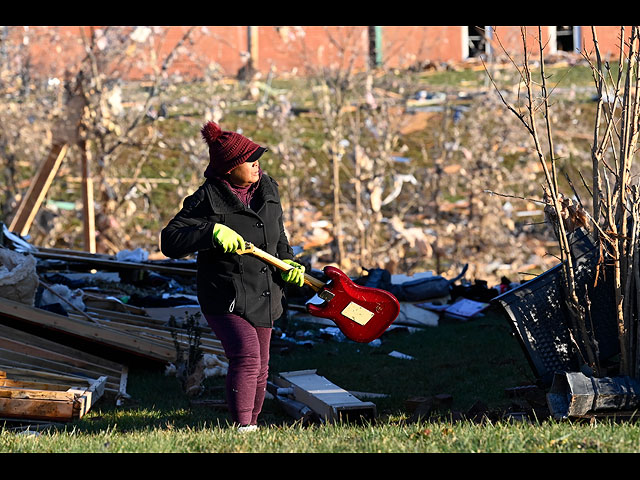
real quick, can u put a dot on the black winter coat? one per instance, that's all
(228, 282)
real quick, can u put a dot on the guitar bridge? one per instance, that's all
(326, 295)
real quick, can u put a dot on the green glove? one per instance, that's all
(227, 238)
(294, 275)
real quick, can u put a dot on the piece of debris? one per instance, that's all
(32, 353)
(121, 331)
(414, 315)
(403, 356)
(44, 396)
(461, 308)
(543, 328)
(330, 402)
(18, 278)
(464, 309)
(573, 394)
(208, 366)
(89, 302)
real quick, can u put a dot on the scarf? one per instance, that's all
(244, 194)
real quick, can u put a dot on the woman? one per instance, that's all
(240, 295)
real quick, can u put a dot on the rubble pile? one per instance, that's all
(56, 305)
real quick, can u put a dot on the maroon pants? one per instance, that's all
(247, 349)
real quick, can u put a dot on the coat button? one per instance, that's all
(259, 224)
(266, 293)
(263, 270)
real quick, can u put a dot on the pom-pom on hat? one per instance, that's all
(227, 149)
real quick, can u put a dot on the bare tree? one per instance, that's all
(279, 114)
(119, 127)
(107, 129)
(333, 90)
(614, 189)
(536, 104)
(614, 218)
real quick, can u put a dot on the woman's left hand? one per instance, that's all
(294, 275)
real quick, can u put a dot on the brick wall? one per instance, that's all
(295, 49)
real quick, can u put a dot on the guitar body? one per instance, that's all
(361, 313)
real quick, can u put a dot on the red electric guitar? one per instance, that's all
(361, 313)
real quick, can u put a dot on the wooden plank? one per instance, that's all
(41, 401)
(21, 349)
(52, 359)
(208, 342)
(84, 329)
(53, 378)
(124, 378)
(34, 393)
(30, 383)
(164, 314)
(88, 209)
(124, 316)
(49, 349)
(18, 360)
(89, 396)
(147, 321)
(37, 191)
(36, 409)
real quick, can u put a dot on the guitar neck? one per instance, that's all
(276, 262)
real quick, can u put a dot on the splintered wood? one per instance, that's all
(134, 334)
(55, 397)
(43, 380)
(21, 351)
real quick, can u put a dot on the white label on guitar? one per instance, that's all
(357, 313)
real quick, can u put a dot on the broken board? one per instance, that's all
(130, 333)
(50, 397)
(19, 349)
(331, 402)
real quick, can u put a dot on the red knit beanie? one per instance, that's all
(227, 150)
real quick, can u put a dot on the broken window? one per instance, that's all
(476, 41)
(565, 39)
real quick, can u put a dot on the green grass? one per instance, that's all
(415, 438)
(389, 437)
(471, 361)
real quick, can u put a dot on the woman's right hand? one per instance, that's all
(227, 238)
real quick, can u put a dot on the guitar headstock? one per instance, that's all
(248, 248)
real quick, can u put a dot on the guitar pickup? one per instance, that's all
(326, 295)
